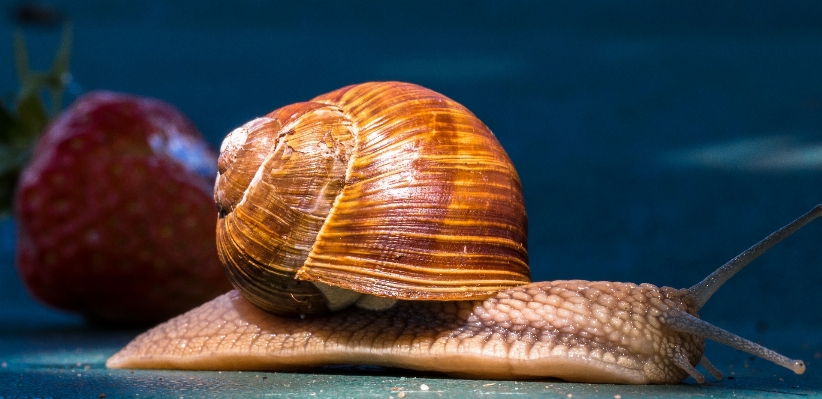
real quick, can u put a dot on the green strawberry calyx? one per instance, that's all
(22, 121)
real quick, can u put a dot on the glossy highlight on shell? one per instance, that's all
(387, 189)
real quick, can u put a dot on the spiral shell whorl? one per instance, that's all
(383, 188)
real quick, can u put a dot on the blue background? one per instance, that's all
(654, 140)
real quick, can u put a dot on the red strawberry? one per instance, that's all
(115, 212)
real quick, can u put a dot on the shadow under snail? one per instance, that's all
(384, 225)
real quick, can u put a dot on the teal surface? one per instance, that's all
(654, 140)
(69, 362)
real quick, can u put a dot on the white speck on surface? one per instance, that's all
(423, 387)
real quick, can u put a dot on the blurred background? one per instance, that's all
(654, 140)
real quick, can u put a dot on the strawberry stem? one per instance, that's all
(21, 125)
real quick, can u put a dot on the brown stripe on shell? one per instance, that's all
(275, 220)
(237, 166)
(431, 159)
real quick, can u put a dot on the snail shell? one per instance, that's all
(387, 189)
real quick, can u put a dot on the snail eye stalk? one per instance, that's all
(684, 322)
(702, 292)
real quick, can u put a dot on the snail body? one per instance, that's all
(558, 329)
(441, 284)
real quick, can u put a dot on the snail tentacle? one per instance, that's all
(703, 290)
(686, 323)
(682, 362)
(710, 367)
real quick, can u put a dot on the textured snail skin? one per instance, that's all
(574, 330)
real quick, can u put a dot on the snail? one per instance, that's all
(383, 224)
